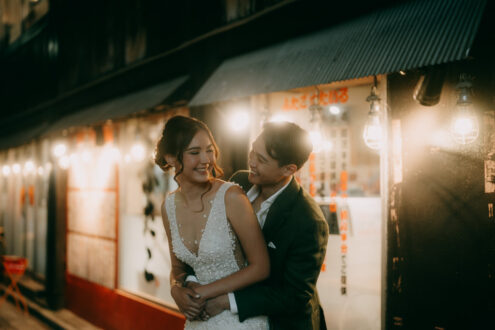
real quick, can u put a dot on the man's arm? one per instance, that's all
(301, 270)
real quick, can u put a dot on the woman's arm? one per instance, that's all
(185, 298)
(245, 225)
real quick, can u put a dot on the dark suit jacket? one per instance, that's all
(297, 228)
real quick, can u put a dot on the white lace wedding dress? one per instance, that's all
(217, 257)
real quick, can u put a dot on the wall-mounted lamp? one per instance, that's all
(464, 127)
(429, 87)
(372, 133)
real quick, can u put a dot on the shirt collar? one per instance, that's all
(254, 192)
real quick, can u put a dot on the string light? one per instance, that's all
(29, 167)
(16, 168)
(6, 170)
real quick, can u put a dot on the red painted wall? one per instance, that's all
(115, 309)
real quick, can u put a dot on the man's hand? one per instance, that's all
(217, 305)
(192, 285)
(189, 302)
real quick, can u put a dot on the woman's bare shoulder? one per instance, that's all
(235, 196)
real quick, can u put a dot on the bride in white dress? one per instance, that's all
(211, 227)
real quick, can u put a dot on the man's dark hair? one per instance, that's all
(287, 143)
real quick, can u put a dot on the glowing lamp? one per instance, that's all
(464, 127)
(238, 121)
(373, 131)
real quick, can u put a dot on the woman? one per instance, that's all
(211, 227)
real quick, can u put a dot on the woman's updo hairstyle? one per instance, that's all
(176, 137)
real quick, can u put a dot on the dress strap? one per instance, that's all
(223, 189)
(172, 222)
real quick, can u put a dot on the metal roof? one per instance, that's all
(120, 107)
(410, 35)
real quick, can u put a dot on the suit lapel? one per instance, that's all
(281, 208)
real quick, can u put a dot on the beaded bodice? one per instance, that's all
(215, 258)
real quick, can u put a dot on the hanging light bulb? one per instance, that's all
(464, 127)
(317, 131)
(372, 133)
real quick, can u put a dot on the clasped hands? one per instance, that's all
(195, 304)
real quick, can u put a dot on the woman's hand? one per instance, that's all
(188, 300)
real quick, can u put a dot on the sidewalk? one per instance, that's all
(39, 317)
(12, 318)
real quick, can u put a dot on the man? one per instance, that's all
(294, 228)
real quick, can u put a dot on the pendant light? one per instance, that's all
(373, 133)
(464, 127)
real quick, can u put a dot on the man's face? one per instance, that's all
(264, 170)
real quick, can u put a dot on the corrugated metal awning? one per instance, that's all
(116, 108)
(411, 35)
(120, 107)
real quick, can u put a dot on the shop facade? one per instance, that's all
(397, 197)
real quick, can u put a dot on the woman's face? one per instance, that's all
(198, 158)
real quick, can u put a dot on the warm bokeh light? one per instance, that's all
(441, 139)
(64, 162)
(278, 118)
(372, 133)
(29, 167)
(86, 156)
(16, 168)
(334, 110)
(41, 171)
(115, 153)
(6, 170)
(138, 152)
(59, 150)
(465, 129)
(238, 121)
(316, 140)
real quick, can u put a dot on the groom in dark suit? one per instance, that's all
(294, 228)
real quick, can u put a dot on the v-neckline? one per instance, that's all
(196, 256)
